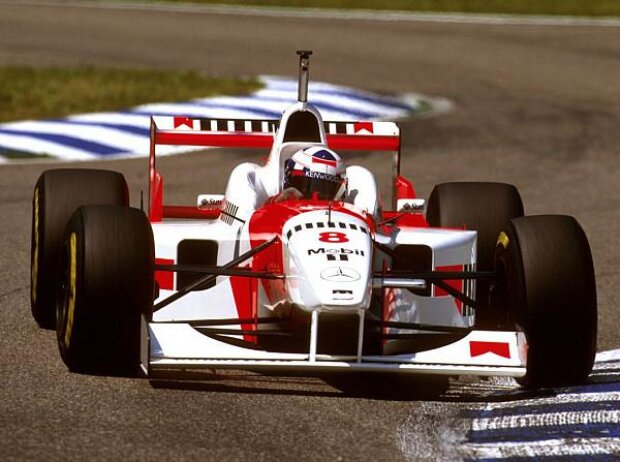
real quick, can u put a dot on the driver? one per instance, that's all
(315, 171)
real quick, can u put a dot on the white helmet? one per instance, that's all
(315, 170)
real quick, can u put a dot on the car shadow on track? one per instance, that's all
(386, 387)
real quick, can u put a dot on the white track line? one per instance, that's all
(355, 15)
(61, 152)
(547, 419)
(133, 120)
(103, 135)
(557, 399)
(606, 356)
(556, 447)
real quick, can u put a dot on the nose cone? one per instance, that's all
(328, 261)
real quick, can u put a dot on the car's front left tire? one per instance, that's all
(485, 208)
(545, 278)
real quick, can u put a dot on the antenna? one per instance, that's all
(329, 212)
(304, 71)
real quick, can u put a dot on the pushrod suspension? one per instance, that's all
(210, 277)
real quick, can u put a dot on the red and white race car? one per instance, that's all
(272, 277)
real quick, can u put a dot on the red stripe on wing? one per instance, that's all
(499, 348)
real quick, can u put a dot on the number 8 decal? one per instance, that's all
(333, 237)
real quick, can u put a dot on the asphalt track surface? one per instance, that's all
(534, 106)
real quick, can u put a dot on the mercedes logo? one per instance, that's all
(339, 274)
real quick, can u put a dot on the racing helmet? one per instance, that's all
(315, 170)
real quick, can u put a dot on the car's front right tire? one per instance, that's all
(105, 285)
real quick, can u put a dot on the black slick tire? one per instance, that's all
(57, 194)
(545, 275)
(105, 285)
(485, 208)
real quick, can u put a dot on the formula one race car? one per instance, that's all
(297, 267)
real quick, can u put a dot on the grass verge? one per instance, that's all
(23, 155)
(40, 93)
(531, 7)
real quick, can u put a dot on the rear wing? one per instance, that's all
(254, 133)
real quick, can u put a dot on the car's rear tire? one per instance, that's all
(545, 275)
(485, 208)
(57, 194)
(105, 284)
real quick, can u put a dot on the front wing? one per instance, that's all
(170, 347)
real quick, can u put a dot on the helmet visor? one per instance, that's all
(326, 186)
